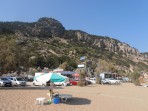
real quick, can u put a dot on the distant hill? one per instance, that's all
(47, 43)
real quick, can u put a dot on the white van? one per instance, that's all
(39, 83)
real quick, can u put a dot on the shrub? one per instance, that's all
(98, 80)
(135, 78)
(81, 81)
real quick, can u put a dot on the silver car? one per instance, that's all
(110, 81)
(17, 81)
(5, 82)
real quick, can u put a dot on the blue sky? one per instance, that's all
(125, 20)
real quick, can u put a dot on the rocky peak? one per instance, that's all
(50, 27)
(44, 27)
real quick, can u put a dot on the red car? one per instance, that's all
(73, 82)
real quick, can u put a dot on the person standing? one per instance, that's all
(51, 86)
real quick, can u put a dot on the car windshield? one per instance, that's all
(73, 80)
(4, 79)
(11, 78)
(19, 79)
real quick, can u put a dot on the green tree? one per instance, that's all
(12, 57)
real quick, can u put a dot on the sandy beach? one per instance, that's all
(124, 97)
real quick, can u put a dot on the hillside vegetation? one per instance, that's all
(46, 43)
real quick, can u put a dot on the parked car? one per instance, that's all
(17, 81)
(125, 79)
(113, 81)
(73, 82)
(29, 78)
(104, 81)
(5, 82)
(110, 81)
(62, 83)
(87, 82)
(92, 80)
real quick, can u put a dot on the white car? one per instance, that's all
(104, 81)
(92, 80)
(62, 83)
(17, 81)
(113, 81)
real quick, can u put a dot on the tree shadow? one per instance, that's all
(77, 101)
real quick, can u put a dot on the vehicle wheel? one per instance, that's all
(62, 84)
(43, 85)
(70, 84)
(33, 84)
(117, 83)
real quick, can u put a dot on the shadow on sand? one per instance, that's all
(91, 86)
(27, 88)
(77, 101)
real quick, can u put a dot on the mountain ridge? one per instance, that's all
(48, 37)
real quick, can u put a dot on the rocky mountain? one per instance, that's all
(44, 27)
(47, 43)
(104, 43)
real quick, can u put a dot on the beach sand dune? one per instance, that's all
(125, 97)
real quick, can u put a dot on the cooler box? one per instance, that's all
(56, 100)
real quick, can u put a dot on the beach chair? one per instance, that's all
(40, 100)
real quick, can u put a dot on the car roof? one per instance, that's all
(15, 77)
(2, 77)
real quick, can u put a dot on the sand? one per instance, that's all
(124, 97)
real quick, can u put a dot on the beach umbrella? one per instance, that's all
(53, 77)
(57, 77)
